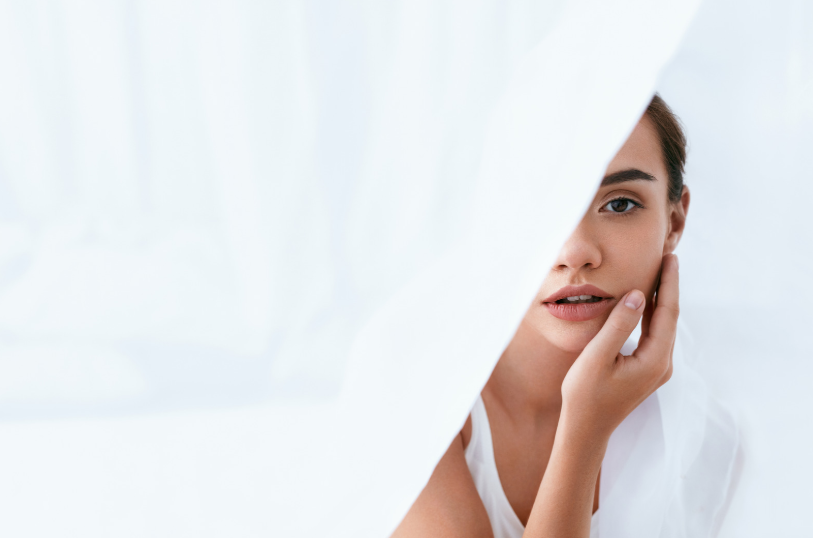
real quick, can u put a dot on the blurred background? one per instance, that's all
(202, 203)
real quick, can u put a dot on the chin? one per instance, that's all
(573, 340)
(572, 336)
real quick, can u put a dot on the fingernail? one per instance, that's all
(677, 262)
(634, 299)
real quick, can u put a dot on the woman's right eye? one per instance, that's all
(620, 205)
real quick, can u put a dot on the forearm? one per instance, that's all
(564, 503)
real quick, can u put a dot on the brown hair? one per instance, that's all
(673, 143)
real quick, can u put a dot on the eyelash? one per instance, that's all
(635, 204)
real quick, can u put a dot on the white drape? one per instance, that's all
(258, 258)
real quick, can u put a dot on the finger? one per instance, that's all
(667, 374)
(648, 309)
(663, 325)
(618, 327)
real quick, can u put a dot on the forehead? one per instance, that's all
(642, 151)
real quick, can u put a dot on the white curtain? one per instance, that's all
(258, 258)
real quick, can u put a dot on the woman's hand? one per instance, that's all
(603, 386)
(598, 392)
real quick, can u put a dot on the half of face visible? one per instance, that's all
(617, 247)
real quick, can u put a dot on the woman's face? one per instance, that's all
(617, 247)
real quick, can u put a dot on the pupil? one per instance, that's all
(618, 205)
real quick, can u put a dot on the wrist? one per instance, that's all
(582, 432)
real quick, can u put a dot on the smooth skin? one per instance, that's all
(562, 387)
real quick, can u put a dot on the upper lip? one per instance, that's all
(570, 291)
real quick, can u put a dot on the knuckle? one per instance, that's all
(618, 326)
(660, 371)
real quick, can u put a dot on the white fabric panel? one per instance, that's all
(208, 208)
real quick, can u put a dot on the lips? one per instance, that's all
(578, 303)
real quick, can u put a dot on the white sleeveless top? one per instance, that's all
(483, 468)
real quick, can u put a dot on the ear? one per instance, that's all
(677, 221)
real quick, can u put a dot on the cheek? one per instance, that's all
(635, 258)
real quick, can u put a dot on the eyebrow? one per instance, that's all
(631, 174)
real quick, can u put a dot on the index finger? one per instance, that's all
(663, 324)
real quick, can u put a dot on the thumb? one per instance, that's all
(618, 327)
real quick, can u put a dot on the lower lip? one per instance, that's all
(578, 312)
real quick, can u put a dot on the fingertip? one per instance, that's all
(634, 300)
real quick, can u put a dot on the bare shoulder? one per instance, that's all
(449, 506)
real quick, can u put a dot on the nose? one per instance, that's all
(580, 251)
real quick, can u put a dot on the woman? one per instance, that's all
(528, 460)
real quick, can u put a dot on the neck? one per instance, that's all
(527, 380)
